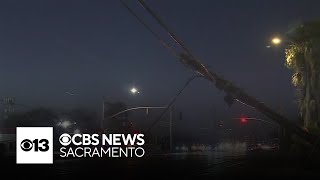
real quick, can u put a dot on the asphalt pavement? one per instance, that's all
(173, 165)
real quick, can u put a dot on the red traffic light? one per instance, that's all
(243, 120)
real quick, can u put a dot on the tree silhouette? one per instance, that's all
(303, 57)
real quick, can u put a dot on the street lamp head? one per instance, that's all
(134, 90)
(276, 40)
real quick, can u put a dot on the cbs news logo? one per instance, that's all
(34, 145)
(38, 145)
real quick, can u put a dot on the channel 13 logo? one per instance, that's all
(34, 145)
(37, 145)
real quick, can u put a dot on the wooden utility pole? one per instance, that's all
(233, 93)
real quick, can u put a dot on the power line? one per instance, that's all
(188, 58)
(232, 92)
(160, 21)
(183, 57)
(173, 100)
(166, 45)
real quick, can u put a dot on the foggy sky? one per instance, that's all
(96, 48)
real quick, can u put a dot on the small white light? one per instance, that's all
(134, 90)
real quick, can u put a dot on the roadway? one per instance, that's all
(178, 165)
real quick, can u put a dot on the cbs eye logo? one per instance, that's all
(65, 139)
(34, 145)
(38, 145)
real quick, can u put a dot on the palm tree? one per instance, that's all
(303, 57)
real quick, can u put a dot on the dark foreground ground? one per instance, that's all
(214, 165)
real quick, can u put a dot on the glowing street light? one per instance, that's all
(276, 40)
(134, 90)
(65, 124)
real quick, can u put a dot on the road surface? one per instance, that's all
(174, 165)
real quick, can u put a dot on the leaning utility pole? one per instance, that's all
(233, 93)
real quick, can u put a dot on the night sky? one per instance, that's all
(97, 48)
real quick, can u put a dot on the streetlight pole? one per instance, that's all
(174, 99)
(135, 108)
(170, 127)
(147, 108)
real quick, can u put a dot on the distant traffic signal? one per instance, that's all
(243, 120)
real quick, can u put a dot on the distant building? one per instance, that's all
(7, 107)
